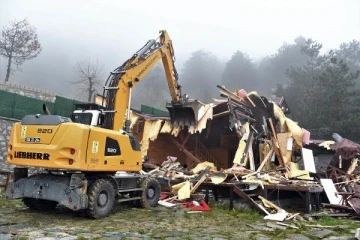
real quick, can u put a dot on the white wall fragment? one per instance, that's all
(308, 158)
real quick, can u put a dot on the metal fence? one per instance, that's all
(13, 105)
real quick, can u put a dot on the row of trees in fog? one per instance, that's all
(323, 93)
(320, 87)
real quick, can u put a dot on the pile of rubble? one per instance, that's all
(270, 149)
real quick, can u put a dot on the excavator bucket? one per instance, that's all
(187, 113)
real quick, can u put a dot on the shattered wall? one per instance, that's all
(161, 147)
(5, 129)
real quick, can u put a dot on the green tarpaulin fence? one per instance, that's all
(13, 105)
(153, 111)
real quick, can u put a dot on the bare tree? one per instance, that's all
(18, 43)
(88, 77)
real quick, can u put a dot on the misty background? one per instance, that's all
(306, 51)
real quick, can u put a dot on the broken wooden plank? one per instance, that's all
(268, 156)
(337, 206)
(266, 159)
(201, 180)
(320, 226)
(267, 202)
(292, 216)
(186, 139)
(243, 160)
(331, 215)
(251, 155)
(248, 199)
(170, 199)
(277, 145)
(287, 225)
(232, 95)
(221, 114)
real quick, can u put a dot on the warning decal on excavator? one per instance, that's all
(23, 131)
(95, 147)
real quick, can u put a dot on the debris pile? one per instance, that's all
(183, 193)
(272, 154)
(278, 144)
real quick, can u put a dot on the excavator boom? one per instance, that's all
(119, 85)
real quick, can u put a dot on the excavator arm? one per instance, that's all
(123, 79)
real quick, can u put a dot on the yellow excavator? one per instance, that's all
(90, 165)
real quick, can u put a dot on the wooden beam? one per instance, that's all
(221, 114)
(276, 145)
(248, 199)
(186, 139)
(243, 160)
(267, 158)
(184, 150)
(234, 96)
(181, 135)
(265, 201)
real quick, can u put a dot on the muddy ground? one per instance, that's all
(126, 222)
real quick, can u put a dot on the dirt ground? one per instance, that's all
(126, 222)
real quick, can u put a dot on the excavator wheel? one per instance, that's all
(101, 195)
(151, 193)
(40, 204)
(29, 202)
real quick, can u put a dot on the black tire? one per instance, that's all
(151, 193)
(101, 195)
(29, 202)
(40, 204)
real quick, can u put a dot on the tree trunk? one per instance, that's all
(90, 92)
(8, 70)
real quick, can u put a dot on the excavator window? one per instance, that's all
(84, 118)
(134, 143)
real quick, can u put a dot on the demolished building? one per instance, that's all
(243, 142)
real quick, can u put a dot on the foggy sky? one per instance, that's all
(112, 31)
